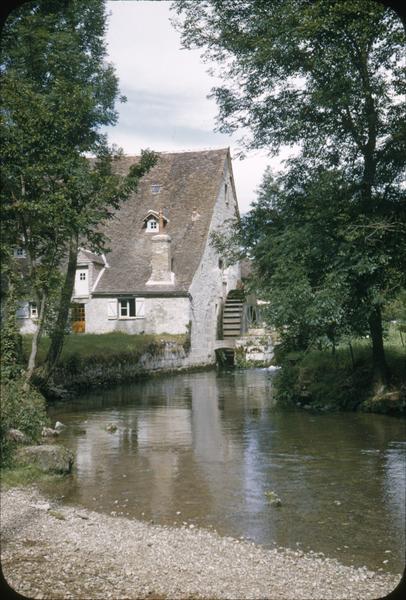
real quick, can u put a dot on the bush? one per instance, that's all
(20, 410)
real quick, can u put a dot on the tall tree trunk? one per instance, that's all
(381, 373)
(35, 342)
(58, 333)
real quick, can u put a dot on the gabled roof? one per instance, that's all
(189, 182)
(85, 256)
(155, 214)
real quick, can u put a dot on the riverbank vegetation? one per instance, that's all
(58, 92)
(327, 236)
(94, 360)
(325, 381)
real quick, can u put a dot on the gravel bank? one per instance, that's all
(55, 551)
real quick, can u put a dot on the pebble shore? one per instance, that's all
(49, 550)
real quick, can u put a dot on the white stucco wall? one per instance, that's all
(211, 284)
(27, 325)
(162, 315)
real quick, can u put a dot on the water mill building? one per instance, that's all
(162, 273)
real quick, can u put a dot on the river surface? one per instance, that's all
(205, 448)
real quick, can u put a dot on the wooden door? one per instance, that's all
(78, 318)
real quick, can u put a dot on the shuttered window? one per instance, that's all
(126, 308)
(112, 309)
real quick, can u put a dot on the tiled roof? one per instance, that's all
(189, 186)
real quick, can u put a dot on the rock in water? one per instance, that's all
(49, 432)
(49, 458)
(273, 498)
(15, 435)
(111, 427)
(59, 426)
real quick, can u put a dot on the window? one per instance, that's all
(33, 310)
(155, 188)
(82, 276)
(152, 225)
(20, 253)
(226, 193)
(221, 263)
(130, 308)
(127, 307)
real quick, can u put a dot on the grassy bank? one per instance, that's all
(93, 360)
(108, 346)
(16, 475)
(322, 380)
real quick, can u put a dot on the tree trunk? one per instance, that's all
(35, 343)
(380, 367)
(58, 333)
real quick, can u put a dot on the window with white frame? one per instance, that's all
(33, 310)
(126, 308)
(152, 225)
(19, 253)
(155, 188)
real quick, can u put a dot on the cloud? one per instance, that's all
(167, 88)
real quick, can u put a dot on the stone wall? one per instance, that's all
(254, 349)
(212, 282)
(165, 356)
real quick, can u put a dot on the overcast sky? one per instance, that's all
(167, 108)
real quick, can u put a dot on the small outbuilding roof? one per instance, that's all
(188, 181)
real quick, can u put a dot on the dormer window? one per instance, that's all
(155, 188)
(151, 221)
(152, 225)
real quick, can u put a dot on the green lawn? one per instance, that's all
(88, 345)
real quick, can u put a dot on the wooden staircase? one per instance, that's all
(232, 314)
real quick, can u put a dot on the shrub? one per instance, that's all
(19, 410)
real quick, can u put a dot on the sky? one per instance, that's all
(167, 108)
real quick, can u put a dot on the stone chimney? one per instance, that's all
(161, 258)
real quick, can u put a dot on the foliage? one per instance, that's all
(16, 475)
(320, 380)
(20, 409)
(58, 91)
(323, 273)
(11, 345)
(396, 310)
(327, 238)
(319, 73)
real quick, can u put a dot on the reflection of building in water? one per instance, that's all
(92, 446)
(210, 441)
(164, 428)
(162, 434)
(220, 449)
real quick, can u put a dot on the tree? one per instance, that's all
(318, 273)
(328, 77)
(57, 93)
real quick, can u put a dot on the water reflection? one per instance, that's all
(209, 446)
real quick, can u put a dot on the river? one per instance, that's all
(205, 448)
